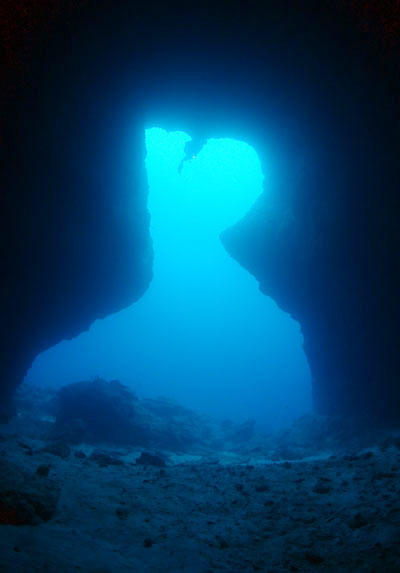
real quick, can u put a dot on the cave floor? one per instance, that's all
(206, 514)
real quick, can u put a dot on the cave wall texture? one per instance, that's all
(312, 86)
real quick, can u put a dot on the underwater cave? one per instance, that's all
(199, 366)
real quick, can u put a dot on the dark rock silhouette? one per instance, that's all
(60, 449)
(101, 413)
(95, 411)
(104, 459)
(147, 459)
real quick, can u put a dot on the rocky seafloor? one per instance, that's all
(176, 492)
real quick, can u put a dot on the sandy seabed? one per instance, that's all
(207, 514)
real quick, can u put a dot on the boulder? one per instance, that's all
(26, 499)
(95, 411)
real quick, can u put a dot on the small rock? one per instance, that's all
(357, 521)
(223, 544)
(104, 460)
(262, 487)
(43, 470)
(25, 446)
(313, 558)
(321, 488)
(79, 454)
(25, 499)
(146, 459)
(350, 458)
(122, 513)
(59, 449)
(148, 542)
(384, 475)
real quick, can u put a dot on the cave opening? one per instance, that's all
(203, 334)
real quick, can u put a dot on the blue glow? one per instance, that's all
(203, 333)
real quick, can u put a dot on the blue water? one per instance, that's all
(203, 334)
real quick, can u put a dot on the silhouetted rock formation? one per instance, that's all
(310, 87)
(107, 413)
(101, 410)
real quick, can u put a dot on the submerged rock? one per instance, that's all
(357, 521)
(59, 449)
(322, 488)
(146, 459)
(43, 470)
(25, 499)
(95, 411)
(72, 431)
(104, 460)
(108, 412)
(122, 513)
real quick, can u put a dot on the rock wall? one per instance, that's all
(308, 87)
(74, 226)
